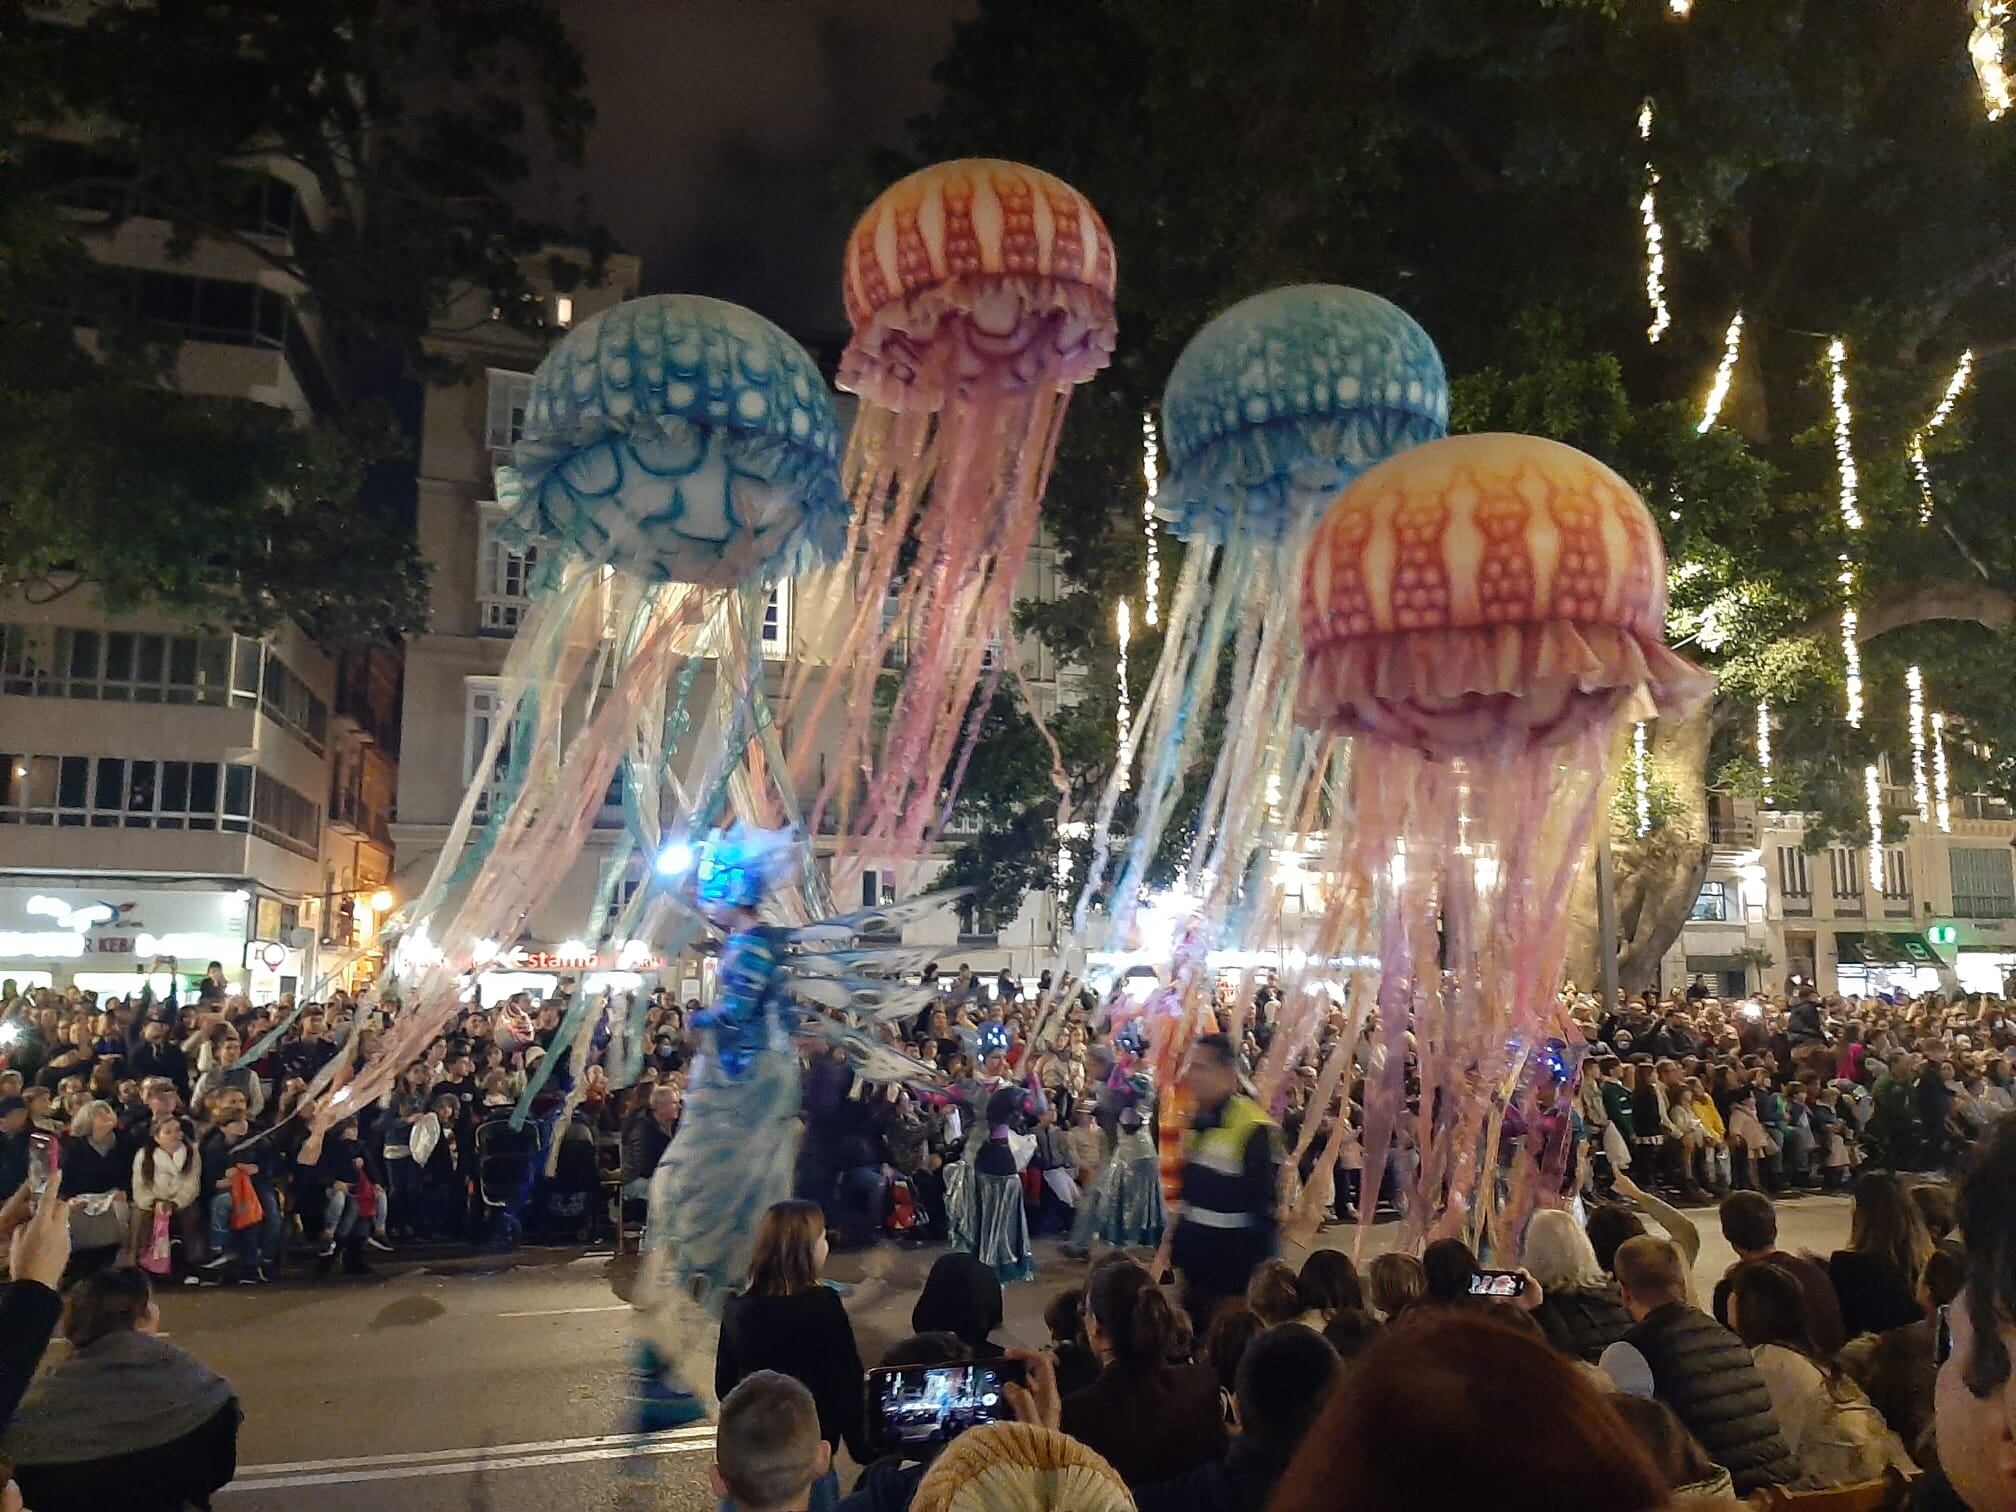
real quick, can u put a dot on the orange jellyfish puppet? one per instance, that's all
(979, 292)
(1484, 612)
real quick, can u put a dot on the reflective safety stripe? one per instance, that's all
(1210, 1218)
(1211, 1160)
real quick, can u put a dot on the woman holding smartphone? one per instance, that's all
(785, 1318)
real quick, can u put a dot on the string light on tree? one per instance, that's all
(1655, 237)
(1718, 391)
(1942, 808)
(1984, 46)
(1872, 787)
(1764, 746)
(1851, 646)
(1151, 474)
(1123, 624)
(1921, 790)
(1955, 387)
(1641, 781)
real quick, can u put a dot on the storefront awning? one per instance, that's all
(1874, 947)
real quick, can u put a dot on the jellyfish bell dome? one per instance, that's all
(1285, 398)
(975, 276)
(1487, 588)
(683, 438)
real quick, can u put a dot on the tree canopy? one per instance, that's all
(353, 157)
(1826, 170)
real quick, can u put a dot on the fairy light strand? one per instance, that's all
(1655, 237)
(1851, 517)
(1942, 807)
(1641, 781)
(1985, 48)
(1955, 387)
(1872, 787)
(1725, 370)
(1151, 474)
(1764, 745)
(1123, 625)
(1921, 790)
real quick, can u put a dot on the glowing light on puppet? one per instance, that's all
(1872, 787)
(1764, 743)
(1655, 238)
(1681, 8)
(1984, 46)
(1920, 787)
(1151, 476)
(1942, 808)
(1955, 387)
(1641, 780)
(1718, 391)
(1123, 626)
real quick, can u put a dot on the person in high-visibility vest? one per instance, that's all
(1226, 1222)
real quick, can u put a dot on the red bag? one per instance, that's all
(155, 1260)
(246, 1208)
(367, 1197)
(902, 1209)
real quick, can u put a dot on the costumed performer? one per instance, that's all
(1124, 1205)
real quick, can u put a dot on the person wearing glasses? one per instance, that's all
(1974, 1401)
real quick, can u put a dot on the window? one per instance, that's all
(622, 889)
(50, 661)
(286, 700)
(1847, 868)
(1982, 884)
(117, 792)
(978, 926)
(1713, 905)
(1896, 874)
(482, 710)
(1792, 879)
(878, 889)
(777, 621)
(510, 393)
(503, 576)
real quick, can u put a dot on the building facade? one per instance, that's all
(168, 790)
(1773, 913)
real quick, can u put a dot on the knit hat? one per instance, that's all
(1018, 1467)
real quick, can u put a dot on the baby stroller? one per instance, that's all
(507, 1164)
(566, 1200)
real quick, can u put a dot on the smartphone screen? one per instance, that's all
(41, 1161)
(911, 1406)
(1497, 1283)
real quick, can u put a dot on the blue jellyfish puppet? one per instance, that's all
(1271, 409)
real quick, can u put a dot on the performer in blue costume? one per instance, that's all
(736, 1149)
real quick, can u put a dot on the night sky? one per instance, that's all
(721, 126)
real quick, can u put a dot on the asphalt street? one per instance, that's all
(497, 1384)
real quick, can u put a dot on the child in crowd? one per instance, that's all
(768, 1452)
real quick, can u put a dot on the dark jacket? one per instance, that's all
(644, 1144)
(28, 1314)
(1706, 1375)
(1823, 1308)
(169, 1478)
(1584, 1322)
(13, 1161)
(1150, 1425)
(1803, 1025)
(1875, 1296)
(885, 1486)
(85, 1170)
(807, 1337)
(1899, 1377)
(162, 1059)
(1240, 1482)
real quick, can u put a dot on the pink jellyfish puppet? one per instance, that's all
(1484, 613)
(679, 458)
(979, 293)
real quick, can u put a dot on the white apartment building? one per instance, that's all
(1944, 916)
(168, 791)
(480, 595)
